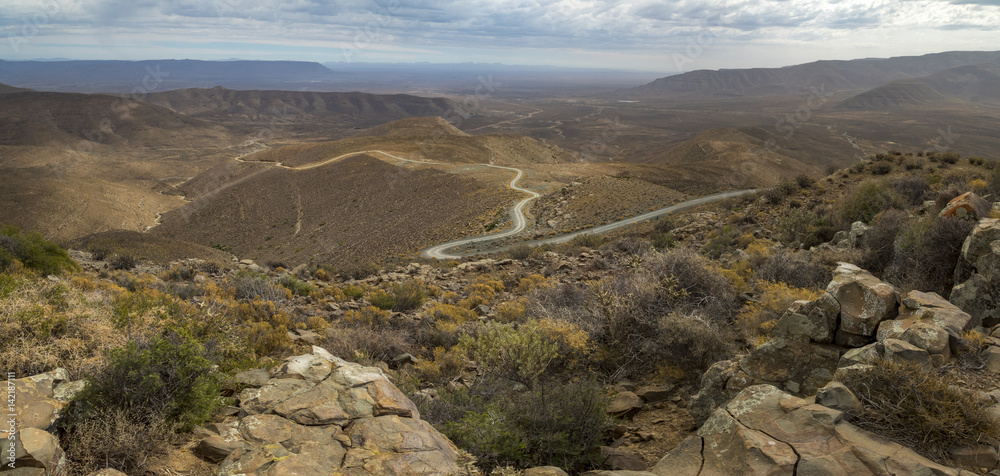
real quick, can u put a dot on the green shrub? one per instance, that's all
(805, 181)
(162, 377)
(927, 252)
(551, 425)
(881, 168)
(353, 292)
(805, 227)
(33, 251)
(921, 409)
(298, 287)
(867, 200)
(949, 157)
(663, 241)
(409, 295)
(129, 409)
(382, 300)
(520, 354)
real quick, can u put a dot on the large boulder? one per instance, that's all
(967, 205)
(319, 414)
(978, 274)
(980, 298)
(823, 315)
(766, 431)
(865, 301)
(38, 401)
(928, 322)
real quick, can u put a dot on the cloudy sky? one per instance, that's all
(645, 35)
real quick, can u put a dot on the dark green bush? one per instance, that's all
(881, 168)
(129, 409)
(408, 295)
(163, 377)
(949, 157)
(33, 251)
(296, 286)
(558, 425)
(867, 200)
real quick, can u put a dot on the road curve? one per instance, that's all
(339, 157)
(516, 215)
(439, 251)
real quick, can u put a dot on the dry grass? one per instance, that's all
(49, 325)
(921, 409)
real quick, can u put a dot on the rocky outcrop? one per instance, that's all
(790, 361)
(865, 301)
(978, 274)
(38, 401)
(318, 414)
(766, 431)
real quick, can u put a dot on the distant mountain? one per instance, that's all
(354, 108)
(978, 84)
(824, 75)
(160, 75)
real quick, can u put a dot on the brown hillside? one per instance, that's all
(427, 138)
(65, 119)
(351, 108)
(828, 75)
(5, 89)
(958, 87)
(724, 157)
(348, 211)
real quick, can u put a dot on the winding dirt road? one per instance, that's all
(441, 251)
(517, 211)
(339, 157)
(516, 215)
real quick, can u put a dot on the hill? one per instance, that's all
(424, 138)
(61, 119)
(723, 157)
(345, 109)
(125, 76)
(827, 75)
(5, 89)
(957, 87)
(344, 212)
